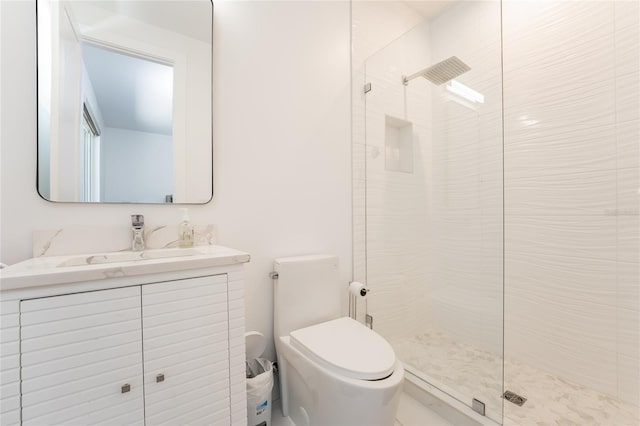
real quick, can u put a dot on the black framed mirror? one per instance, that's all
(125, 101)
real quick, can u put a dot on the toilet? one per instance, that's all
(334, 371)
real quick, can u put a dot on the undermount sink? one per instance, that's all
(129, 256)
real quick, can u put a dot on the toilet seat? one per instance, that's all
(347, 347)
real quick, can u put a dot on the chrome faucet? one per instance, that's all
(137, 224)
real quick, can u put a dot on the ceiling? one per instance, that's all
(132, 93)
(191, 18)
(428, 9)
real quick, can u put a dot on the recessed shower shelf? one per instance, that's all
(398, 145)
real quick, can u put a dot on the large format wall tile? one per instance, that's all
(629, 191)
(585, 237)
(627, 137)
(628, 333)
(568, 278)
(629, 379)
(628, 288)
(572, 74)
(572, 192)
(533, 146)
(627, 95)
(629, 238)
(572, 339)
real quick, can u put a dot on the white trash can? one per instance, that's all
(259, 381)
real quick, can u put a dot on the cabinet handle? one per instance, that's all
(160, 378)
(125, 388)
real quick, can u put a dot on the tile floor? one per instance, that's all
(276, 416)
(410, 413)
(414, 413)
(467, 372)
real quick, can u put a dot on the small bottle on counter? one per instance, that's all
(185, 230)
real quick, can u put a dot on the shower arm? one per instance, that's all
(406, 80)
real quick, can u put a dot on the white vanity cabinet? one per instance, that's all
(78, 352)
(164, 348)
(186, 352)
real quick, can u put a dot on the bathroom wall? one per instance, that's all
(572, 94)
(282, 152)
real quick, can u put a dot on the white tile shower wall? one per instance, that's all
(467, 181)
(571, 188)
(397, 202)
(571, 77)
(433, 238)
(282, 153)
(374, 24)
(359, 183)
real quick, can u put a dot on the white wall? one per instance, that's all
(282, 153)
(135, 166)
(66, 108)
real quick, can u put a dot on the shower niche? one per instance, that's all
(398, 145)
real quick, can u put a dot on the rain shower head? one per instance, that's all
(441, 72)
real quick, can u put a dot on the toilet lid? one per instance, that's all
(346, 347)
(254, 344)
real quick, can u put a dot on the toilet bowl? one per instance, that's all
(334, 371)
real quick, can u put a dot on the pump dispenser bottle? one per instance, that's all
(185, 230)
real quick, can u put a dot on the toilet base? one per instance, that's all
(313, 395)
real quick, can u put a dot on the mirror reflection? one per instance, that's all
(124, 101)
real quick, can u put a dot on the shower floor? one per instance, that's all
(461, 370)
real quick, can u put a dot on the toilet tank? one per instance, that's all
(307, 292)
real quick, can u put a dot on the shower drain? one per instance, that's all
(515, 398)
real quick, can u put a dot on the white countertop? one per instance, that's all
(44, 271)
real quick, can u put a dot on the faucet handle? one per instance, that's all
(137, 220)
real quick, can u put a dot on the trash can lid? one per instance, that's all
(255, 343)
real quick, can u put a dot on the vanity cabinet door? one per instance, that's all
(81, 358)
(186, 352)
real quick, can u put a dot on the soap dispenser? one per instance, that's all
(185, 230)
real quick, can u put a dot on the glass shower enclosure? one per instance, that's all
(428, 190)
(496, 183)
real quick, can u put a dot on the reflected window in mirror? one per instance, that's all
(91, 157)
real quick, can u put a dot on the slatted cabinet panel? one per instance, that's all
(186, 352)
(9, 363)
(77, 351)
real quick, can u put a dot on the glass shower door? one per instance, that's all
(430, 124)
